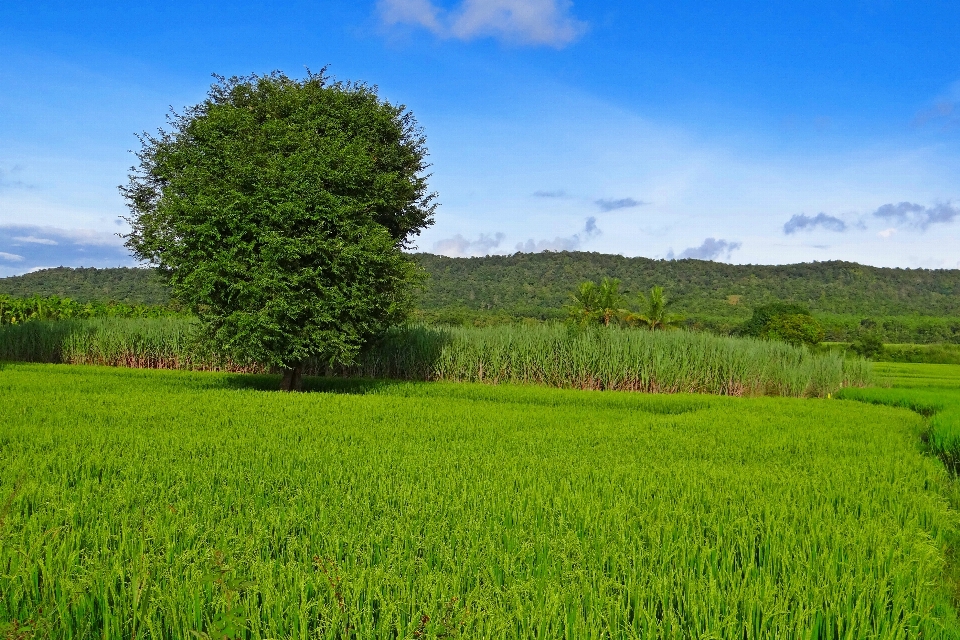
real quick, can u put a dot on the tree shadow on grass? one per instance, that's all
(311, 384)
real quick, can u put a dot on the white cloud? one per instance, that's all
(711, 249)
(557, 244)
(418, 12)
(571, 243)
(917, 215)
(33, 240)
(612, 204)
(886, 233)
(804, 222)
(460, 247)
(53, 236)
(32, 246)
(536, 22)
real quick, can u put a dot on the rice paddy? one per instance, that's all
(175, 504)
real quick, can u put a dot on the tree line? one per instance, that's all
(603, 304)
(537, 286)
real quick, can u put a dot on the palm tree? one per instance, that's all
(597, 303)
(610, 301)
(583, 310)
(656, 316)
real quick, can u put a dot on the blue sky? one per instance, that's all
(748, 132)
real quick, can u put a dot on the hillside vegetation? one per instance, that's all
(539, 284)
(122, 284)
(905, 305)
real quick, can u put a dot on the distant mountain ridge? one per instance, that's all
(538, 285)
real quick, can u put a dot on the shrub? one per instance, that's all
(791, 323)
(796, 329)
(867, 345)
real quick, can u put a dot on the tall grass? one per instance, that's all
(141, 343)
(609, 358)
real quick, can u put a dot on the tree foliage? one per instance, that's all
(787, 322)
(537, 285)
(279, 210)
(905, 305)
(868, 344)
(794, 328)
(593, 303)
(655, 314)
(20, 310)
(119, 284)
(764, 314)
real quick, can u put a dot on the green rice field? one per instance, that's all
(140, 503)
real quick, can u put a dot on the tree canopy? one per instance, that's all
(655, 315)
(788, 322)
(279, 209)
(593, 303)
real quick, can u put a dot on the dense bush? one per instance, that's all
(787, 322)
(867, 345)
(21, 310)
(921, 353)
(795, 329)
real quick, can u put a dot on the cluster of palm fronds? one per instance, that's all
(604, 304)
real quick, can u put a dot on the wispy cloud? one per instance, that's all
(31, 234)
(711, 249)
(560, 193)
(612, 204)
(534, 22)
(460, 247)
(917, 215)
(945, 110)
(34, 240)
(569, 243)
(33, 246)
(9, 179)
(803, 222)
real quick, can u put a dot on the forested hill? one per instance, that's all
(132, 286)
(538, 285)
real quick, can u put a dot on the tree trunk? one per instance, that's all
(292, 378)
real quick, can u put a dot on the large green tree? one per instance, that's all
(279, 210)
